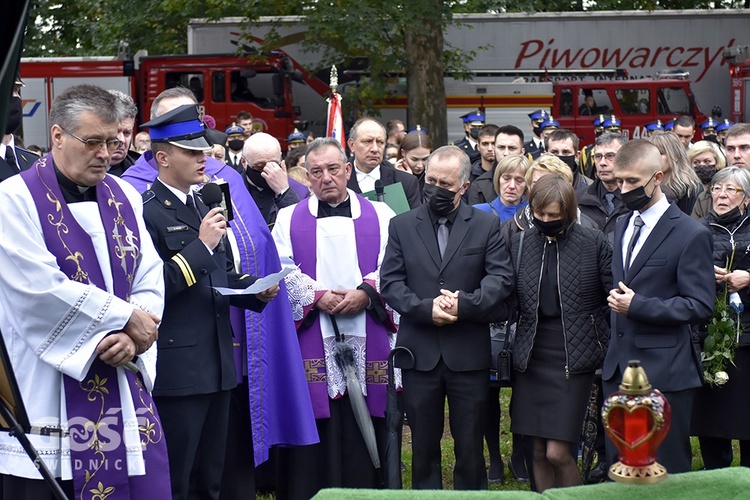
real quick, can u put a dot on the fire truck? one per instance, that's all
(224, 85)
(635, 102)
(738, 59)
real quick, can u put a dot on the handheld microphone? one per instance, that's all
(212, 196)
(379, 194)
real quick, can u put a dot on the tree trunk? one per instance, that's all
(424, 73)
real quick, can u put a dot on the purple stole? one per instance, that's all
(303, 233)
(98, 451)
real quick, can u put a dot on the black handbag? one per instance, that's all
(502, 357)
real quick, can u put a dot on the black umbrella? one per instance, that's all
(394, 421)
(344, 356)
(590, 428)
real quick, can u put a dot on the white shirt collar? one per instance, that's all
(4, 147)
(179, 194)
(651, 216)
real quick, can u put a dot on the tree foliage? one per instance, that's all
(95, 28)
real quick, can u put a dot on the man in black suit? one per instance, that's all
(12, 158)
(124, 157)
(367, 143)
(665, 284)
(196, 363)
(448, 272)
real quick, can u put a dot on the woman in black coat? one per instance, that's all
(562, 283)
(722, 412)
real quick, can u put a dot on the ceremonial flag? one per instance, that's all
(335, 125)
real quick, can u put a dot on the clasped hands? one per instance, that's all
(346, 302)
(445, 308)
(136, 337)
(736, 280)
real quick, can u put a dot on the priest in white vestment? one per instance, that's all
(336, 240)
(57, 325)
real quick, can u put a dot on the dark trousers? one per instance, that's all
(674, 453)
(20, 488)
(340, 460)
(238, 479)
(196, 432)
(717, 452)
(424, 400)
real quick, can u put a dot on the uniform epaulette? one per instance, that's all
(148, 196)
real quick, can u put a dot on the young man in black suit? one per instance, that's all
(663, 270)
(12, 158)
(196, 369)
(448, 272)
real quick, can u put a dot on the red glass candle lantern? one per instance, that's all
(636, 419)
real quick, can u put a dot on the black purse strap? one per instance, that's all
(518, 266)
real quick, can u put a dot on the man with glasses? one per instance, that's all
(82, 292)
(265, 176)
(336, 240)
(738, 145)
(601, 200)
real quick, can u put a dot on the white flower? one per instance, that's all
(721, 378)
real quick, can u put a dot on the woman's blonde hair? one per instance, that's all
(552, 164)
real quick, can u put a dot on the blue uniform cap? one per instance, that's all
(598, 121)
(296, 136)
(669, 125)
(726, 124)
(549, 123)
(539, 114)
(709, 124)
(234, 129)
(474, 116)
(653, 126)
(181, 127)
(611, 122)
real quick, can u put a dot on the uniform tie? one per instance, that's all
(191, 205)
(637, 225)
(10, 157)
(442, 235)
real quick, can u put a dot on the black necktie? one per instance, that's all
(442, 235)
(637, 225)
(609, 205)
(10, 157)
(191, 205)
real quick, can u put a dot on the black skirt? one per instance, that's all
(544, 403)
(724, 411)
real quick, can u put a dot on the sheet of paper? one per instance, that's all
(257, 287)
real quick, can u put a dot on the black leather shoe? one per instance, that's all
(497, 472)
(518, 468)
(598, 473)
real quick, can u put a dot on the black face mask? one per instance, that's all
(636, 199)
(538, 131)
(256, 178)
(15, 115)
(440, 200)
(550, 228)
(236, 144)
(705, 173)
(474, 132)
(728, 218)
(570, 161)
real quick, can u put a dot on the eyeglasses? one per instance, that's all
(707, 163)
(730, 190)
(608, 156)
(96, 144)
